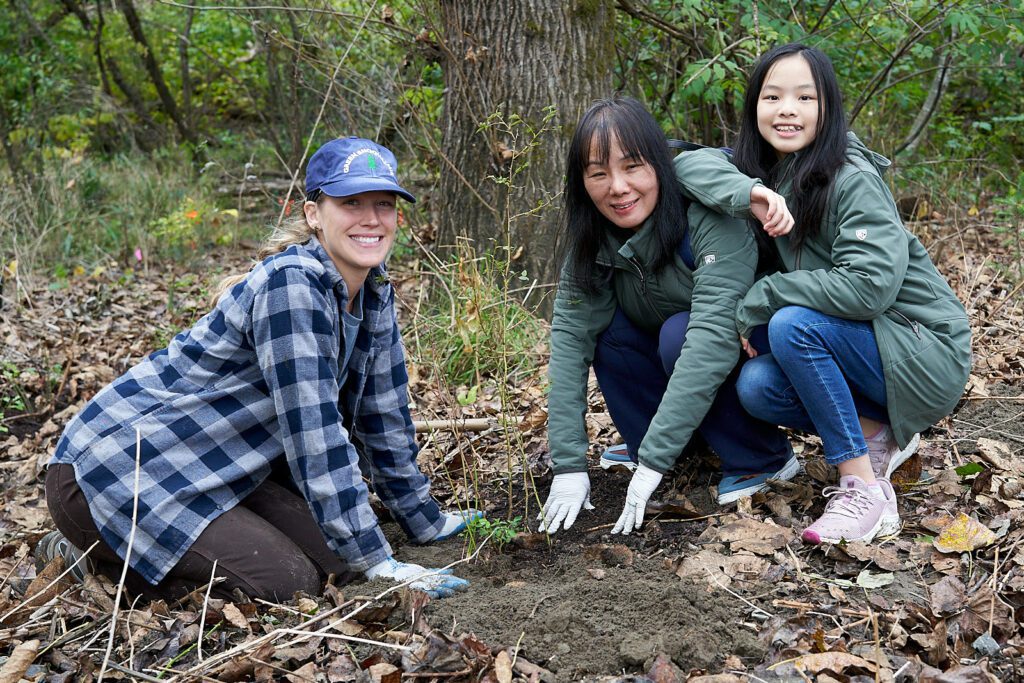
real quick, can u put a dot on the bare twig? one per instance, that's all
(27, 601)
(757, 610)
(277, 633)
(320, 114)
(202, 617)
(477, 424)
(127, 555)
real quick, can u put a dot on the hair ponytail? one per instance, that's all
(294, 230)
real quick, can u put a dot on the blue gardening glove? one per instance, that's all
(641, 486)
(456, 522)
(437, 583)
(569, 492)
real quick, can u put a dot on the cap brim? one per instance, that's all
(351, 186)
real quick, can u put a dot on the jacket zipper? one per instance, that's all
(913, 323)
(640, 273)
(643, 288)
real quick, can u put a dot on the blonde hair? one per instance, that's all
(294, 230)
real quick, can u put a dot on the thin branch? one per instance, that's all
(320, 114)
(127, 554)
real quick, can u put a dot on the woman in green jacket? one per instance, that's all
(647, 296)
(869, 345)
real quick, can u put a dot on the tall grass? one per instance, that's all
(130, 209)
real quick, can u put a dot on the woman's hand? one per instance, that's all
(641, 487)
(570, 492)
(748, 347)
(437, 583)
(770, 208)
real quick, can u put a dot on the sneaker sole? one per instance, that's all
(790, 470)
(887, 525)
(902, 456)
(611, 464)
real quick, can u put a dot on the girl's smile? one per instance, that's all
(787, 108)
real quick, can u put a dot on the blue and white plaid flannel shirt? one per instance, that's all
(255, 379)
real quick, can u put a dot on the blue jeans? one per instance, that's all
(633, 368)
(822, 373)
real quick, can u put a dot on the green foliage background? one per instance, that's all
(98, 167)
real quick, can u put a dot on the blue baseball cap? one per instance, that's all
(347, 166)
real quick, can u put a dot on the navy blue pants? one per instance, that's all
(633, 367)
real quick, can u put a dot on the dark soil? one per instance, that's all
(579, 611)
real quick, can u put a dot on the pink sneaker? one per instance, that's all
(855, 513)
(885, 455)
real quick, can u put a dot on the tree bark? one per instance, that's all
(516, 58)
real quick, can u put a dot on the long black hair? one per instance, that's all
(817, 164)
(586, 230)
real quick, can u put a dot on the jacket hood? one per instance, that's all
(854, 147)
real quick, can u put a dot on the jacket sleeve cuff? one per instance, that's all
(660, 469)
(423, 523)
(366, 550)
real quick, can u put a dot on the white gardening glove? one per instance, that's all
(569, 492)
(437, 583)
(641, 486)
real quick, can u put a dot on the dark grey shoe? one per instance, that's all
(54, 545)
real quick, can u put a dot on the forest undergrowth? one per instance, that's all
(701, 593)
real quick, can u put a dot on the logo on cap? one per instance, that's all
(371, 161)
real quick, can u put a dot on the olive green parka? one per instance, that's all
(725, 257)
(862, 265)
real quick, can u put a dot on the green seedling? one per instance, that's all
(499, 532)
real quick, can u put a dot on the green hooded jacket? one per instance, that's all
(862, 265)
(726, 259)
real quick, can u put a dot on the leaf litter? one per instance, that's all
(700, 593)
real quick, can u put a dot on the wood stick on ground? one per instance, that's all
(475, 424)
(436, 674)
(737, 595)
(796, 604)
(660, 521)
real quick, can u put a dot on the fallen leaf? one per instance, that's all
(664, 671)
(983, 607)
(503, 667)
(762, 538)
(963, 535)
(680, 506)
(868, 579)
(996, 453)
(835, 662)
(234, 616)
(936, 651)
(719, 570)
(975, 673)
(19, 661)
(303, 674)
(820, 471)
(379, 673)
(884, 557)
(597, 573)
(947, 596)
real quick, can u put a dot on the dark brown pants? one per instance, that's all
(268, 547)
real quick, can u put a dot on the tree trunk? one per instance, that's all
(156, 76)
(516, 58)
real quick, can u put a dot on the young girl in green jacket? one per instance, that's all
(869, 345)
